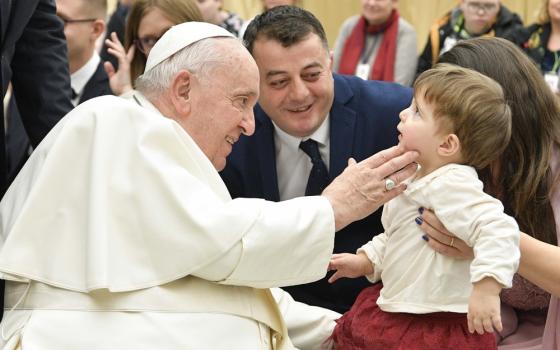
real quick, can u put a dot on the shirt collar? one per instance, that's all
(321, 135)
(79, 78)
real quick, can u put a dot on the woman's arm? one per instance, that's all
(540, 263)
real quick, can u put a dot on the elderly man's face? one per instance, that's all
(297, 87)
(222, 104)
(480, 15)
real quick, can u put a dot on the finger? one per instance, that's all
(470, 324)
(383, 157)
(130, 53)
(443, 248)
(395, 164)
(497, 322)
(334, 277)
(433, 221)
(404, 173)
(487, 325)
(388, 195)
(478, 327)
(351, 161)
(109, 69)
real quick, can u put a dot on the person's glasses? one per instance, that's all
(476, 7)
(67, 21)
(146, 43)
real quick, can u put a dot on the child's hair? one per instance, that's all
(470, 105)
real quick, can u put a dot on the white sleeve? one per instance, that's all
(479, 219)
(309, 327)
(291, 242)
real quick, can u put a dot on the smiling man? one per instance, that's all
(333, 117)
(471, 19)
(119, 233)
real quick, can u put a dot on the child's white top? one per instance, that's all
(417, 279)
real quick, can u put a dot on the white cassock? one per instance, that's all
(119, 234)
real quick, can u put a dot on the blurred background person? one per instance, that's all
(470, 19)
(543, 42)
(213, 12)
(84, 23)
(377, 45)
(267, 5)
(147, 21)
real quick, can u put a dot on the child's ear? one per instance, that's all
(449, 146)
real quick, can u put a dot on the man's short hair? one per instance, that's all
(288, 25)
(95, 8)
(470, 105)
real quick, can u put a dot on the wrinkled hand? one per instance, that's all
(119, 81)
(350, 265)
(360, 189)
(439, 239)
(484, 307)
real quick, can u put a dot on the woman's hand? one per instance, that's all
(441, 240)
(119, 80)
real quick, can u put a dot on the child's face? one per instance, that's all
(419, 131)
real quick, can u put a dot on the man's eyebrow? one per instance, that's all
(279, 72)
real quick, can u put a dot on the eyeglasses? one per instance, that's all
(476, 7)
(146, 43)
(67, 21)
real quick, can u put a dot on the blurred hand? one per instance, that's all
(360, 189)
(119, 81)
(441, 240)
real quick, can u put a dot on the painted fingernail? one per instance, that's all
(421, 210)
(419, 220)
(425, 238)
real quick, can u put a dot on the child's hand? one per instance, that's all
(350, 265)
(484, 307)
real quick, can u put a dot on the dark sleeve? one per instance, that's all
(425, 59)
(40, 72)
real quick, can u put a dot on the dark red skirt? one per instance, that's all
(366, 326)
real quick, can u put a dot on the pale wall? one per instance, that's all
(420, 13)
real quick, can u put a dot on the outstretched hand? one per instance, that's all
(360, 189)
(350, 265)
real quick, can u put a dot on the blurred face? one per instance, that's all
(554, 10)
(377, 11)
(79, 30)
(222, 108)
(419, 131)
(152, 26)
(210, 10)
(268, 4)
(297, 87)
(480, 15)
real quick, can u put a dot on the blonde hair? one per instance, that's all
(177, 11)
(470, 105)
(543, 16)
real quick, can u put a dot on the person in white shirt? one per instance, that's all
(458, 121)
(119, 233)
(84, 24)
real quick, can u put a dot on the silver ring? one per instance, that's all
(389, 184)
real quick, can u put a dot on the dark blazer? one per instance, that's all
(34, 59)
(97, 85)
(363, 121)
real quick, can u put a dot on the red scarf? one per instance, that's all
(384, 64)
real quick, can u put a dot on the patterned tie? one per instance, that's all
(319, 175)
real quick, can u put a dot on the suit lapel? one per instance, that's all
(342, 128)
(266, 154)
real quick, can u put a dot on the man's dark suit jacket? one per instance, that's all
(363, 121)
(97, 85)
(34, 59)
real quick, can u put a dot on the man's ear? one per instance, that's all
(181, 98)
(98, 28)
(450, 146)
